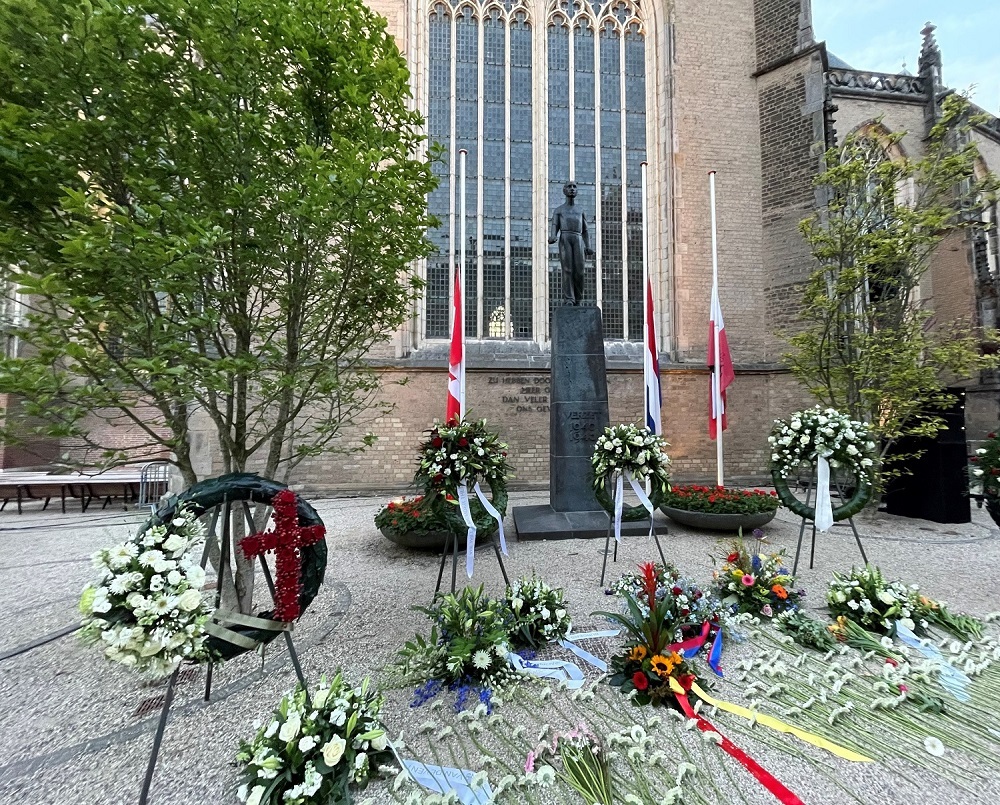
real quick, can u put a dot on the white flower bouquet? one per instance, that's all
(146, 608)
(314, 747)
(815, 432)
(633, 450)
(540, 612)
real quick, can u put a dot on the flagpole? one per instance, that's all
(462, 154)
(645, 287)
(716, 377)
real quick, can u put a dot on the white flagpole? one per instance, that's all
(462, 154)
(716, 377)
(645, 286)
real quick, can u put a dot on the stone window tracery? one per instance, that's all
(583, 106)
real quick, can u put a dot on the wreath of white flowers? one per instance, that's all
(146, 609)
(807, 435)
(632, 449)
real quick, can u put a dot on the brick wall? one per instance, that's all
(777, 23)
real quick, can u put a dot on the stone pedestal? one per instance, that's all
(578, 415)
(578, 411)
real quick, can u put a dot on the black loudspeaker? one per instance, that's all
(936, 487)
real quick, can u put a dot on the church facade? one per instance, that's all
(605, 93)
(538, 92)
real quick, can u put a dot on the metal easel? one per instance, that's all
(810, 486)
(451, 543)
(607, 543)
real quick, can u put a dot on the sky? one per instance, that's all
(880, 35)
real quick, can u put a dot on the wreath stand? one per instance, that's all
(451, 544)
(232, 643)
(810, 486)
(631, 514)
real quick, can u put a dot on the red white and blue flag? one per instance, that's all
(724, 375)
(455, 410)
(651, 369)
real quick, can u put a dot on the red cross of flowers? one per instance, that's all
(286, 540)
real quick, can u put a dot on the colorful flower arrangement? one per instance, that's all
(146, 608)
(417, 516)
(720, 500)
(867, 598)
(632, 450)
(683, 605)
(539, 613)
(466, 650)
(314, 746)
(815, 432)
(465, 451)
(655, 621)
(757, 583)
(579, 759)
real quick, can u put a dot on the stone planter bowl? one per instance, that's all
(718, 522)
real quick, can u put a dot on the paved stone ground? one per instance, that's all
(76, 729)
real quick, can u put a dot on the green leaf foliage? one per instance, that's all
(206, 205)
(867, 342)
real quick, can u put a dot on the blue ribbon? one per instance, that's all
(951, 679)
(715, 655)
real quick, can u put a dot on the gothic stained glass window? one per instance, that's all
(583, 109)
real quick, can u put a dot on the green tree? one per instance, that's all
(867, 343)
(208, 205)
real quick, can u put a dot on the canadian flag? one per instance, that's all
(651, 369)
(725, 375)
(455, 411)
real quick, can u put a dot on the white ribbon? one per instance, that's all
(643, 499)
(584, 655)
(494, 513)
(619, 503)
(470, 539)
(564, 672)
(823, 516)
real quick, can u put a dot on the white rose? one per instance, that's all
(886, 597)
(175, 542)
(796, 425)
(306, 742)
(319, 699)
(174, 577)
(380, 743)
(290, 728)
(333, 750)
(189, 600)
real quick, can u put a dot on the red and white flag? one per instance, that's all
(455, 411)
(725, 375)
(651, 369)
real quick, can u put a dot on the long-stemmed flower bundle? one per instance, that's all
(539, 613)
(314, 747)
(580, 759)
(865, 596)
(757, 583)
(467, 647)
(649, 661)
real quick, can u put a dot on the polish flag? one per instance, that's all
(725, 375)
(455, 411)
(651, 369)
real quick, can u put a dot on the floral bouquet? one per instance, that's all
(314, 747)
(826, 432)
(146, 608)
(684, 607)
(654, 623)
(719, 500)
(634, 451)
(465, 451)
(581, 760)
(539, 613)
(867, 598)
(467, 647)
(756, 583)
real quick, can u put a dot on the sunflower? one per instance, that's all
(637, 653)
(664, 666)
